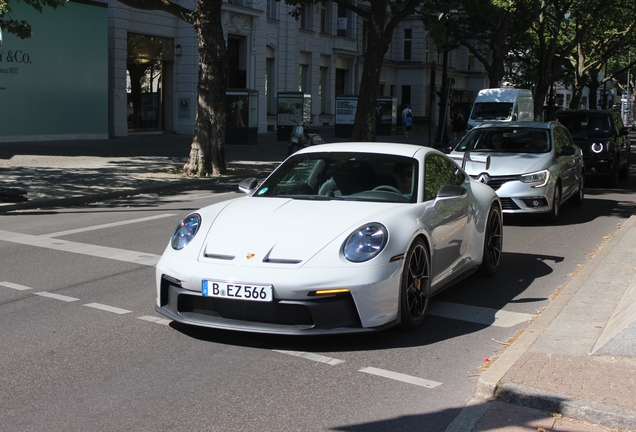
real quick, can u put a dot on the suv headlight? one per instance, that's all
(185, 231)
(365, 242)
(539, 177)
(597, 147)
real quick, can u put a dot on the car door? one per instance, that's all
(567, 165)
(447, 224)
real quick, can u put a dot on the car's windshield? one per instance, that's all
(584, 123)
(344, 176)
(508, 140)
(491, 111)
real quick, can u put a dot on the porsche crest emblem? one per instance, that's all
(249, 255)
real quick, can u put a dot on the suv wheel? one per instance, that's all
(615, 174)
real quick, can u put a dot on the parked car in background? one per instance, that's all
(534, 167)
(340, 238)
(604, 141)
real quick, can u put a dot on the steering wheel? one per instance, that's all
(388, 189)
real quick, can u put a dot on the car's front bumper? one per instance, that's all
(599, 165)
(519, 197)
(371, 302)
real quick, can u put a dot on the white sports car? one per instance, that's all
(340, 238)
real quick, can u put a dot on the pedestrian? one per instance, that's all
(459, 125)
(406, 111)
(408, 125)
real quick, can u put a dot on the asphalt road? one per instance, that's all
(83, 349)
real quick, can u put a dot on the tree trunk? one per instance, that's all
(364, 125)
(207, 154)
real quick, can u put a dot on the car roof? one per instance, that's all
(397, 149)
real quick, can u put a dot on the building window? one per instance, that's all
(408, 35)
(322, 89)
(269, 85)
(306, 17)
(302, 78)
(344, 22)
(471, 62)
(406, 95)
(272, 9)
(342, 76)
(325, 17)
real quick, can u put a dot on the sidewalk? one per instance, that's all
(577, 359)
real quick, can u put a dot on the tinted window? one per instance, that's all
(440, 171)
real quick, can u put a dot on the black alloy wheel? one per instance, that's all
(577, 198)
(493, 242)
(415, 286)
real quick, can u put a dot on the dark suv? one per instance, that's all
(604, 141)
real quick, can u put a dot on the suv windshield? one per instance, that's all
(491, 111)
(584, 123)
(508, 140)
(344, 176)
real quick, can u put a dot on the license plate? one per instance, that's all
(236, 291)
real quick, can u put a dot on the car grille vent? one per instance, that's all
(282, 261)
(219, 256)
(508, 204)
(494, 182)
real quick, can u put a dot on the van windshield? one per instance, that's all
(491, 111)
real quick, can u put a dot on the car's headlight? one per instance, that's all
(540, 178)
(185, 231)
(365, 242)
(597, 147)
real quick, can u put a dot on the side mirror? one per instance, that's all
(567, 151)
(448, 192)
(248, 185)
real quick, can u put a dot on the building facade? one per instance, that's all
(153, 64)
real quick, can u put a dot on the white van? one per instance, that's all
(501, 104)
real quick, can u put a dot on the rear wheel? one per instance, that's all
(493, 242)
(415, 286)
(615, 174)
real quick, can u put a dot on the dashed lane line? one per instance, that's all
(56, 296)
(15, 286)
(401, 377)
(108, 225)
(311, 356)
(81, 248)
(107, 308)
(155, 320)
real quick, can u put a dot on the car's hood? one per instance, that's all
(504, 164)
(282, 230)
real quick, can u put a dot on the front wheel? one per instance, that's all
(414, 286)
(554, 214)
(493, 242)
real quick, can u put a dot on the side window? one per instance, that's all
(440, 171)
(561, 139)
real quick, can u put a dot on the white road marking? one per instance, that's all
(81, 248)
(107, 308)
(109, 225)
(476, 314)
(401, 377)
(56, 296)
(153, 319)
(15, 286)
(313, 357)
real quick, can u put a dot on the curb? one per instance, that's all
(579, 409)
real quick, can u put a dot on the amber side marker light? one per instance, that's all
(332, 291)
